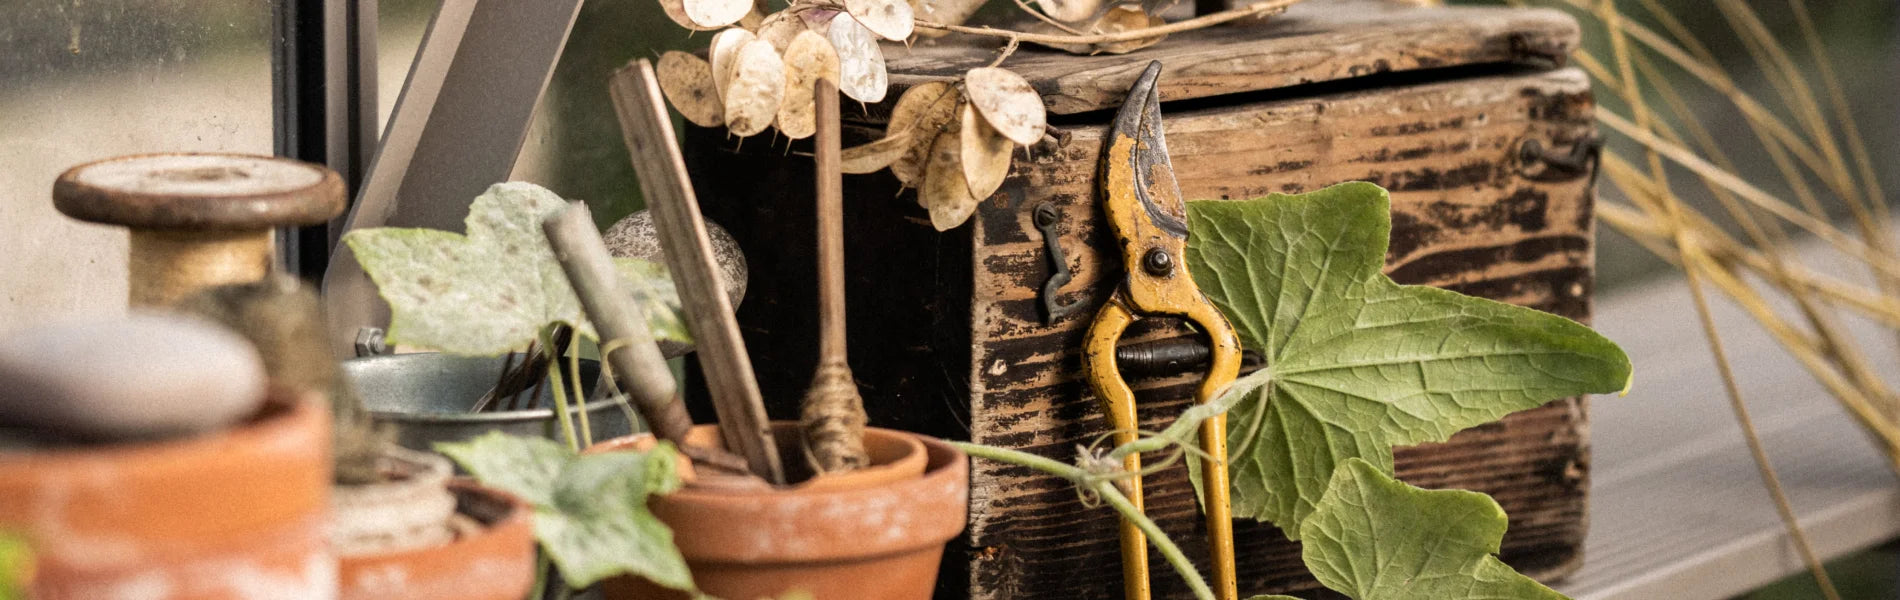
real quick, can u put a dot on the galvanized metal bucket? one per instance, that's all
(428, 397)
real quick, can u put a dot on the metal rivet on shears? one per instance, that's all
(1158, 262)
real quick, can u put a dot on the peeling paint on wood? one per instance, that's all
(949, 335)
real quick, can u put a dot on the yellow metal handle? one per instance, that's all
(1225, 345)
(1118, 400)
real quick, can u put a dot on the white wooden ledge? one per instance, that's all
(1677, 509)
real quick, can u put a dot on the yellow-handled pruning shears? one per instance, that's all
(1149, 220)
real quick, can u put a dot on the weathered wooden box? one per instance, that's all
(947, 335)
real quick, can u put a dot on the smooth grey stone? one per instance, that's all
(137, 377)
(635, 237)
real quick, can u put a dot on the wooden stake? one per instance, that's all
(648, 134)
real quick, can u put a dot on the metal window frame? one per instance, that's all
(323, 99)
(458, 125)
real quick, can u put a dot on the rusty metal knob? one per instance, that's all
(197, 220)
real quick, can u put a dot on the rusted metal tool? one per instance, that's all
(1148, 218)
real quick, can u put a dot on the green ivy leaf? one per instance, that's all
(590, 510)
(1359, 363)
(492, 290)
(1375, 538)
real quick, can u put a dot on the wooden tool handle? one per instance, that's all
(638, 366)
(831, 314)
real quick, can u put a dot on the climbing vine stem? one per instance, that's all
(1256, 9)
(1103, 487)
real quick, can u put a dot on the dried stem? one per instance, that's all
(1253, 10)
(1007, 50)
(1046, 19)
(1819, 227)
(1105, 489)
(1692, 264)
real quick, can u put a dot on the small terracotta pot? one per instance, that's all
(493, 562)
(873, 534)
(239, 513)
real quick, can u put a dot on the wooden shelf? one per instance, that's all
(1677, 509)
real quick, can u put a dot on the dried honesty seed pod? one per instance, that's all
(923, 110)
(948, 12)
(868, 158)
(1008, 103)
(860, 61)
(944, 191)
(1127, 18)
(809, 58)
(889, 19)
(756, 89)
(779, 28)
(688, 83)
(818, 19)
(984, 152)
(716, 13)
(752, 20)
(721, 52)
(1070, 11)
(676, 10)
(1121, 18)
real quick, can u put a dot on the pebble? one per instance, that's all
(635, 237)
(137, 377)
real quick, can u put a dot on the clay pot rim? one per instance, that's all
(519, 511)
(282, 410)
(493, 561)
(878, 476)
(938, 515)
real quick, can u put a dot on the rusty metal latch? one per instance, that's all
(1045, 216)
(1580, 159)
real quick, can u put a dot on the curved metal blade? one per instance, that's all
(1153, 174)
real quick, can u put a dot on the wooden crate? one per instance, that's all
(947, 336)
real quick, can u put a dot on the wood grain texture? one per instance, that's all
(1467, 216)
(1312, 42)
(949, 339)
(664, 182)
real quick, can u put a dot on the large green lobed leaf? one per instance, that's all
(1376, 538)
(494, 289)
(590, 510)
(1358, 363)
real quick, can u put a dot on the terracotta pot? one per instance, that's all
(495, 561)
(412, 508)
(874, 534)
(239, 513)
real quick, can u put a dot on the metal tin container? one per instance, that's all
(428, 397)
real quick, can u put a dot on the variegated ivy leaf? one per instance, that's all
(590, 510)
(494, 289)
(1360, 364)
(1375, 538)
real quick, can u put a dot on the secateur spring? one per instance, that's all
(1167, 358)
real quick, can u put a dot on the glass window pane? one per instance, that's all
(84, 80)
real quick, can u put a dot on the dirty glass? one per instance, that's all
(82, 80)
